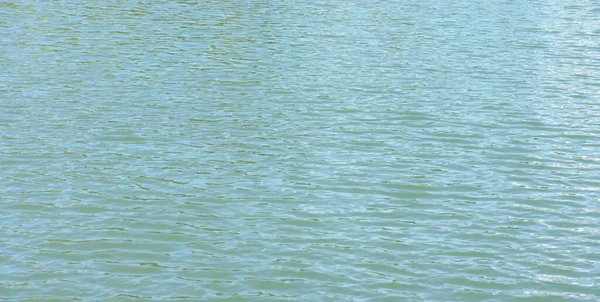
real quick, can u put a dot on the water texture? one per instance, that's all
(300, 150)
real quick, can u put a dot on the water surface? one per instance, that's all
(300, 150)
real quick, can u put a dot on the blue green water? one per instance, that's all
(300, 150)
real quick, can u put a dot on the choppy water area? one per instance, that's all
(300, 150)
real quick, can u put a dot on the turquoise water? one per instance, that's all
(300, 150)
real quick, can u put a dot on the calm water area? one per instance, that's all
(309, 150)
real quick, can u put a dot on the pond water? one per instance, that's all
(300, 150)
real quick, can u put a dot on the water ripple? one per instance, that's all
(292, 151)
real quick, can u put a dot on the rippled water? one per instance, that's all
(301, 150)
